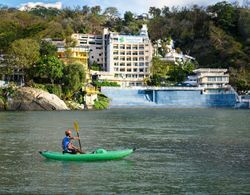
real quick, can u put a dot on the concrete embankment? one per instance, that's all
(175, 97)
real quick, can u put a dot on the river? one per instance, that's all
(179, 151)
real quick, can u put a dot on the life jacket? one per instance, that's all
(65, 143)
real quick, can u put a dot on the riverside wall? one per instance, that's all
(172, 97)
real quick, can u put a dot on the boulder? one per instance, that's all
(2, 104)
(27, 98)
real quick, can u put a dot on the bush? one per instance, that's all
(55, 89)
(39, 86)
(105, 83)
(102, 102)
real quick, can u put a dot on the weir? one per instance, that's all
(175, 97)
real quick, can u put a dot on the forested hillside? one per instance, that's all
(218, 36)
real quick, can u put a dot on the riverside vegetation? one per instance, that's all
(218, 36)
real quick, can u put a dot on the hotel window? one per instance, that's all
(128, 76)
(122, 70)
(141, 59)
(211, 78)
(141, 47)
(129, 70)
(129, 59)
(141, 53)
(219, 78)
(141, 64)
(141, 70)
(116, 64)
(146, 70)
(128, 64)
(135, 64)
(135, 70)
(122, 58)
(128, 52)
(135, 47)
(122, 46)
(146, 58)
(116, 69)
(135, 53)
(146, 64)
(135, 59)
(115, 52)
(122, 64)
(134, 75)
(141, 76)
(128, 47)
(115, 47)
(122, 53)
(115, 58)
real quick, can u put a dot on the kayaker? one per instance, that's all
(67, 144)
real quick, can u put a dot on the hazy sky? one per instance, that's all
(137, 6)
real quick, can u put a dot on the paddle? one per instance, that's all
(76, 126)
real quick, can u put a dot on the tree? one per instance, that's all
(47, 49)
(23, 53)
(74, 77)
(128, 17)
(159, 70)
(96, 10)
(227, 15)
(111, 13)
(155, 12)
(49, 67)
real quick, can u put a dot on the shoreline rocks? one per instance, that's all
(32, 99)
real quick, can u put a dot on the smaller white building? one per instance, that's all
(212, 78)
(172, 55)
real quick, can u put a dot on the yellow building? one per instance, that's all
(79, 54)
(75, 54)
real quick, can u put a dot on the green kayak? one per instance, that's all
(98, 155)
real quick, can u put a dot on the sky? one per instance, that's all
(136, 6)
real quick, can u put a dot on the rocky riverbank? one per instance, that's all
(31, 99)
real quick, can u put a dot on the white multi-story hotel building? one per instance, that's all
(128, 57)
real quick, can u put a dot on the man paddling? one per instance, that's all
(67, 144)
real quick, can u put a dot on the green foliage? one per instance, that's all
(166, 73)
(227, 15)
(177, 74)
(102, 102)
(38, 86)
(74, 77)
(23, 53)
(128, 17)
(55, 89)
(49, 67)
(95, 67)
(106, 83)
(160, 68)
(47, 49)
